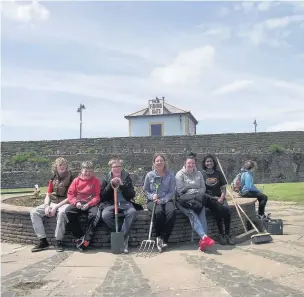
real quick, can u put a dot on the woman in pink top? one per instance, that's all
(83, 196)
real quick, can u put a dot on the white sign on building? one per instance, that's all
(156, 106)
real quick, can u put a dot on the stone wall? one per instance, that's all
(137, 152)
(16, 226)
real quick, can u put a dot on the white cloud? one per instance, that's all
(246, 6)
(218, 31)
(267, 5)
(223, 11)
(294, 88)
(233, 87)
(105, 96)
(288, 126)
(264, 6)
(261, 32)
(275, 23)
(25, 12)
(187, 67)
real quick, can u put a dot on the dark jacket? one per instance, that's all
(127, 188)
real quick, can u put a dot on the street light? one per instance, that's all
(80, 108)
(255, 126)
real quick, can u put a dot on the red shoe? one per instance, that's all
(202, 244)
(209, 241)
(86, 243)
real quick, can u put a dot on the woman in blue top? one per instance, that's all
(248, 189)
(159, 188)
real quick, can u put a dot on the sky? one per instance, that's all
(229, 63)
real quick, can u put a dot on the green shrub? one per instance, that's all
(19, 158)
(140, 198)
(276, 148)
(40, 160)
(29, 157)
(91, 150)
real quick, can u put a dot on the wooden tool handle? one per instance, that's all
(231, 194)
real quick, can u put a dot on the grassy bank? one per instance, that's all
(20, 190)
(284, 191)
(278, 192)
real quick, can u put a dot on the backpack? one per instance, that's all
(236, 183)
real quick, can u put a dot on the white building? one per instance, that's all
(161, 119)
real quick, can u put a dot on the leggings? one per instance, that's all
(262, 198)
(221, 213)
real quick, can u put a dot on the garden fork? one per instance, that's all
(147, 246)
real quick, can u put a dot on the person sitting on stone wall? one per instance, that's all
(118, 177)
(159, 188)
(215, 198)
(190, 188)
(249, 190)
(83, 195)
(55, 202)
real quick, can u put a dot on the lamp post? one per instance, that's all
(80, 108)
(255, 125)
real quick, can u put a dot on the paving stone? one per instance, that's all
(238, 282)
(278, 257)
(124, 279)
(30, 275)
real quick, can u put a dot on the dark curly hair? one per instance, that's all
(209, 156)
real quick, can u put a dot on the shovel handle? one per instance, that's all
(115, 206)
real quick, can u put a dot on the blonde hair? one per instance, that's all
(57, 162)
(253, 165)
(115, 161)
(87, 164)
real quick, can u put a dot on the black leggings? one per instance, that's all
(73, 213)
(262, 198)
(220, 212)
(164, 219)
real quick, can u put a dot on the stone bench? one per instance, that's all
(16, 226)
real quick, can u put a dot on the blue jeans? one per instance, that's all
(198, 222)
(129, 213)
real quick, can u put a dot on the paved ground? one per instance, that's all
(271, 270)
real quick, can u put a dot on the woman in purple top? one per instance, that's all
(159, 188)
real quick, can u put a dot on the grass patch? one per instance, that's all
(284, 191)
(20, 190)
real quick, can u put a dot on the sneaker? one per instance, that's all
(209, 241)
(42, 245)
(126, 245)
(79, 241)
(60, 247)
(159, 244)
(229, 239)
(83, 246)
(223, 240)
(202, 244)
(164, 245)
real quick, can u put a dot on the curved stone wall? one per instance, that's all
(16, 226)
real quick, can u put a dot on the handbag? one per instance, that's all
(191, 201)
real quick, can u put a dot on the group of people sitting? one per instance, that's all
(190, 190)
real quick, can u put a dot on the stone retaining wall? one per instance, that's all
(137, 152)
(16, 226)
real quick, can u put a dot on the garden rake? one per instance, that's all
(147, 246)
(256, 238)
